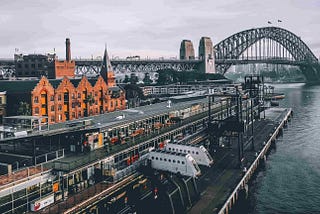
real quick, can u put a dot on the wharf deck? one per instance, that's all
(113, 119)
(219, 182)
(74, 162)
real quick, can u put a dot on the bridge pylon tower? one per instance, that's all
(186, 50)
(206, 54)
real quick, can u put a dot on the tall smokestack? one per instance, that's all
(68, 51)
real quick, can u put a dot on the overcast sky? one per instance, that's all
(144, 27)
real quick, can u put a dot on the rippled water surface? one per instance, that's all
(290, 182)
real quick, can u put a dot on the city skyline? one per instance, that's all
(144, 28)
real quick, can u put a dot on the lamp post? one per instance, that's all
(17, 162)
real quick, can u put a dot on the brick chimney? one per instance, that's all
(68, 51)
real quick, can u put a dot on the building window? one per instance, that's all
(111, 104)
(79, 115)
(52, 108)
(36, 110)
(59, 107)
(0, 100)
(73, 105)
(52, 119)
(73, 114)
(36, 99)
(51, 98)
(79, 95)
(59, 117)
(116, 102)
(59, 97)
(96, 111)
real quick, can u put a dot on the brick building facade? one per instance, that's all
(68, 98)
(65, 67)
(75, 98)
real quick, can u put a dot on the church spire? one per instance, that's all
(106, 65)
(106, 69)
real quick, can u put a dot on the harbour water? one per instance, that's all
(290, 180)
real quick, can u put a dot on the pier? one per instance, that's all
(225, 183)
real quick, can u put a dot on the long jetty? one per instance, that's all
(226, 181)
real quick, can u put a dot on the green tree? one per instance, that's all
(147, 80)
(126, 79)
(133, 79)
(24, 108)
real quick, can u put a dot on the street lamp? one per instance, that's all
(17, 163)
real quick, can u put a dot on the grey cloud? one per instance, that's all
(143, 25)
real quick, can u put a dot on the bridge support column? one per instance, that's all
(206, 54)
(186, 50)
(312, 73)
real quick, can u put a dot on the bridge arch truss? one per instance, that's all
(93, 67)
(268, 44)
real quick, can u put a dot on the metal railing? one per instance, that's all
(50, 156)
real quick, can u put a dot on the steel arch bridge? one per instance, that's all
(266, 45)
(270, 45)
(92, 67)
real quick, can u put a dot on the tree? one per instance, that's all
(90, 99)
(133, 79)
(24, 108)
(133, 91)
(126, 79)
(165, 77)
(133, 94)
(147, 80)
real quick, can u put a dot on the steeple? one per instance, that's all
(106, 69)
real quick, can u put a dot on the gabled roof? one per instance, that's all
(75, 82)
(55, 82)
(18, 86)
(93, 81)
